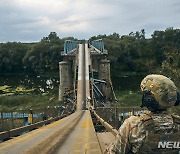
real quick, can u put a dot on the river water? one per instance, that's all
(43, 84)
(122, 83)
(12, 83)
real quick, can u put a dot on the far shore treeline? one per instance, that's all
(128, 53)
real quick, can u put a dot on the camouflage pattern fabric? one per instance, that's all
(162, 88)
(133, 132)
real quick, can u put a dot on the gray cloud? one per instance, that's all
(30, 20)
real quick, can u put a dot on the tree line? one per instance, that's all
(128, 53)
(36, 58)
(135, 53)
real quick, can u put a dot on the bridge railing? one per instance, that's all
(98, 44)
(115, 116)
(19, 118)
(5, 135)
(70, 46)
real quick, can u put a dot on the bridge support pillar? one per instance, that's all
(104, 74)
(65, 82)
(95, 64)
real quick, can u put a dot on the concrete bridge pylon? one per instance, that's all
(65, 82)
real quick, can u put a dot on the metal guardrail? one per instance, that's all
(115, 116)
(69, 46)
(105, 124)
(98, 44)
(18, 118)
(18, 131)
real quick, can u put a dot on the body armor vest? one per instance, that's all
(162, 135)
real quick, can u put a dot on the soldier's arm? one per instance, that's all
(121, 143)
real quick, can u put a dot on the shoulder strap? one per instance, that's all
(176, 119)
(146, 119)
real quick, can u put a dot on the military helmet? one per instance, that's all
(162, 89)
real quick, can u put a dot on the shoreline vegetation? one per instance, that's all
(26, 102)
(130, 55)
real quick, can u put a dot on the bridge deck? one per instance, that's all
(82, 139)
(73, 134)
(42, 140)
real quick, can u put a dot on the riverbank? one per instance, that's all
(128, 98)
(27, 101)
(35, 91)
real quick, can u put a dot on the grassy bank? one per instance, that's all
(17, 102)
(129, 98)
(27, 101)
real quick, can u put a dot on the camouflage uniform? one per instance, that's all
(135, 130)
(141, 134)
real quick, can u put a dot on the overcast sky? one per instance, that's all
(30, 20)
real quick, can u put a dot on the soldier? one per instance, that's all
(149, 132)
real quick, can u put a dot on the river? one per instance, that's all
(27, 83)
(121, 83)
(126, 87)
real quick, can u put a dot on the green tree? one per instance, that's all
(12, 54)
(45, 55)
(171, 65)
